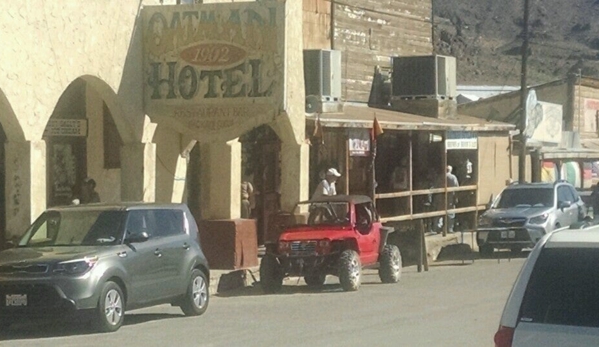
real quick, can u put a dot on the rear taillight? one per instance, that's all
(504, 337)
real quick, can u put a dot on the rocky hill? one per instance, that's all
(485, 37)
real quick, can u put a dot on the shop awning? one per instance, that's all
(548, 153)
(357, 116)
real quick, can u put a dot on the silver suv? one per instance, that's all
(523, 213)
(554, 299)
(100, 260)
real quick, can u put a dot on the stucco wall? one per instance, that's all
(47, 45)
(106, 179)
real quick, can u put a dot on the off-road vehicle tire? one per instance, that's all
(390, 264)
(350, 270)
(315, 279)
(196, 299)
(271, 277)
(486, 250)
(110, 312)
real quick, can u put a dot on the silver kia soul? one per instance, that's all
(101, 260)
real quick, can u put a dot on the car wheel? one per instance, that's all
(110, 312)
(315, 279)
(350, 270)
(196, 299)
(271, 277)
(486, 250)
(390, 264)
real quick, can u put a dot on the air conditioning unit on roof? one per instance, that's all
(419, 77)
(322, 74)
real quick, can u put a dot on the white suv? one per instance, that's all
(555, 299)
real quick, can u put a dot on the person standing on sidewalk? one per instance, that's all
(452, 181)
(247, 196)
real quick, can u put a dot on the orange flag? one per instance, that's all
(376, 127)
(318, 132)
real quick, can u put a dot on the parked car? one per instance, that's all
(100, 260)
(523, 213)
(336, 235)
(554, 299)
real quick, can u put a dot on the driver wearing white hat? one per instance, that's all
(327, 186)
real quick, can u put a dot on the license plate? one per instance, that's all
(16, 299)
(508, 234)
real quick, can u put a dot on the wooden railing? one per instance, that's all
(438, 213)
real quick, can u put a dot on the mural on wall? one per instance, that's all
(210, 67)
(543, 120)
(591, 113)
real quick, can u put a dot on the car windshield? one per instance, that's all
(322, 213)
(526, 197)
(75, 227)
(563, 288)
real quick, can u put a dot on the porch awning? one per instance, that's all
(587, 151)
(357, 116)
(573, 154)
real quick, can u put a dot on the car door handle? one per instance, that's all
(186, 246)
(122, 254)
(158, 253)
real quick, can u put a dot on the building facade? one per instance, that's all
(133, 94)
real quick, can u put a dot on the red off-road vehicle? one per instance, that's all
(338, 236)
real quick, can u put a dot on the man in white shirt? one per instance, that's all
(327, 186)
(452, 181)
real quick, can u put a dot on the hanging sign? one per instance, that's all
(66, 127)
(359, 142)
(461, 140)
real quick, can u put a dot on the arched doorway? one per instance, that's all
(2, 187)
(261, 165)
(82, 140)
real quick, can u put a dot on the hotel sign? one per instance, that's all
(211, 66)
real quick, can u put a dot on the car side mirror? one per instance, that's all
(564, 204)
(137, 237)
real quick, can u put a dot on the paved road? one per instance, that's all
(451, 305)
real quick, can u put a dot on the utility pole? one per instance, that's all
(523, 97)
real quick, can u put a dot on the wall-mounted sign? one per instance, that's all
(66, 127)
(590, 109)
(359, 142)
(210, 67)
(461, 140)
(543, 120)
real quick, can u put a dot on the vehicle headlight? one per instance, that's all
(76, 267)
(484, 221)
(539, 219)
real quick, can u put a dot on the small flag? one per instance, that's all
(376, 127)
(318, 135)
